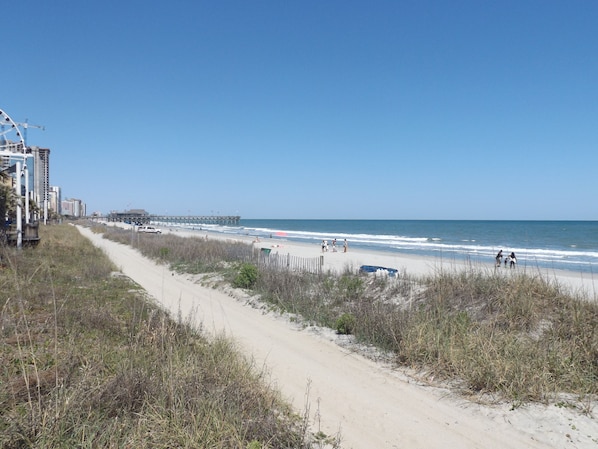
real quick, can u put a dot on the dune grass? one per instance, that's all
(87, 361)
(513, 337)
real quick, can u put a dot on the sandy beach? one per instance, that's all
(370, 404)
(337, 261)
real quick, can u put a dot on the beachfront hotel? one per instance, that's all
(27, 168)
(38, 170)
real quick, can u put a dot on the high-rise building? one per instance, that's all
(73, 207)
(41, 177)
(55, 200)
(35, 179)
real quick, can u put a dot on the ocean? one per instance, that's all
(563, 245)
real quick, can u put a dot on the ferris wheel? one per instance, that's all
(11, 138)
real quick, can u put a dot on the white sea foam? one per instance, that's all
(431, 245)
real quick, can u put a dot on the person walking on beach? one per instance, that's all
(323, 245)
(345, 246)
(499, 258)
(513, 259)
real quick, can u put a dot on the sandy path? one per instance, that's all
(371, 405)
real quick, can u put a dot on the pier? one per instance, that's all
(232, 220)
(142, 217)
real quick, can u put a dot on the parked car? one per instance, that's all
(149, 230)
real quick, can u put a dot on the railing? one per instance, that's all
(141, 218)
(197, 220)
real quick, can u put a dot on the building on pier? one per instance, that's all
(130, 216)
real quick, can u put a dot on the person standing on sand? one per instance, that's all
(513, 259)
(345, 246)
(499, 258)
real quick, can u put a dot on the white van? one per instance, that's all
(149, 230)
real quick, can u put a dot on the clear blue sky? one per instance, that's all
(312, 109)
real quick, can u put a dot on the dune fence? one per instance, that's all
(287, 262)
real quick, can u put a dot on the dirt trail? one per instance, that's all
(371, 406)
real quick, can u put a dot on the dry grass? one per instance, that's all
(189, 255)
(87, 361)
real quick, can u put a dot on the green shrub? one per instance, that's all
(247, 276)
(345, 324)
(351, 286)
(164, 253)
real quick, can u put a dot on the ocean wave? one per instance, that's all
(428, 245)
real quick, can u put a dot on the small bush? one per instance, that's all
(351, 286)
(164, 253)
(345, 324)
(247, 276)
